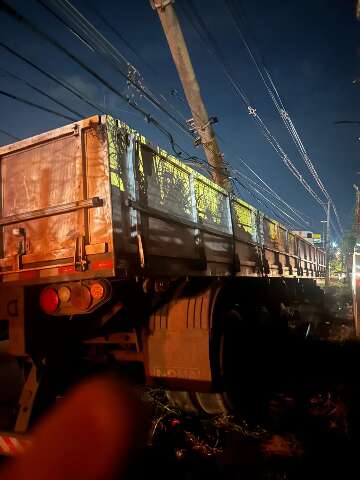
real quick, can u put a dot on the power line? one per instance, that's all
(36, 105)
(214, 49)
(301, 215)
(10, 135)
(38, 90)
(243, 96)
(283, 216)
(148, 117)
(95, 41)
(265, 203)
(276, 98)
(131, 47)
(47, 74)
(92, 44)
(208, 39)
(259, 188)
(115, 31)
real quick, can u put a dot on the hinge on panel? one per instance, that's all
(22, 246)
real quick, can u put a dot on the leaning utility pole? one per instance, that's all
(181, 57)
(327, 245)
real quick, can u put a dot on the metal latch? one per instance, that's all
(80, 255)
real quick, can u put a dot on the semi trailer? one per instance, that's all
(114, 251)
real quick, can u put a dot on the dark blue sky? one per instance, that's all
(312, 48)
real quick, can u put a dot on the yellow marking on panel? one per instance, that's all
(272, 231)
(209, 202)
(243, 217)
(114, 153)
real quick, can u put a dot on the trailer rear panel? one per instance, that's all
(56, 209)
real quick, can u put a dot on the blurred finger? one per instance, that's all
(89, 436)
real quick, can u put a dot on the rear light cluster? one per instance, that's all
(73, 297)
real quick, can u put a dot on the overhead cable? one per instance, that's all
(91, 37)
(251, 110)
(39, 90)
(148, 117)
(280, 107)
(10, 135)
(66, 85)
(36, 105)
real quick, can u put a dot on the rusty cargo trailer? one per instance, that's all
(95, 199)
(153, 263)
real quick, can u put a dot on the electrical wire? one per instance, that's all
(258, 187)
(14, 14)
(97, 42)
(36, 105)
(280, 107)
(148, 117)
(265, 203)
(10, 135)
(90, 7)
(137, 54)
(47, 74)
(252, 111)
(301, 215)
(38, 90)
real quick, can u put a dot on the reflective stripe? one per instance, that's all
(102, 265)
(10, 445)
(16, 444)
(11, 277)
(67, 269)
(49, 272)
(4, 448)
(29, 275)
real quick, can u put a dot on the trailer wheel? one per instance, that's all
(182, 401)
(213, 403)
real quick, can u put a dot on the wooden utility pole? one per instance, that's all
(327, 248)
(181, 57)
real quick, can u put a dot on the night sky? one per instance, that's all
(312, 49)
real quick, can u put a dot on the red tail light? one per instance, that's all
(97, 291)
(81, 297)
(49, 300)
